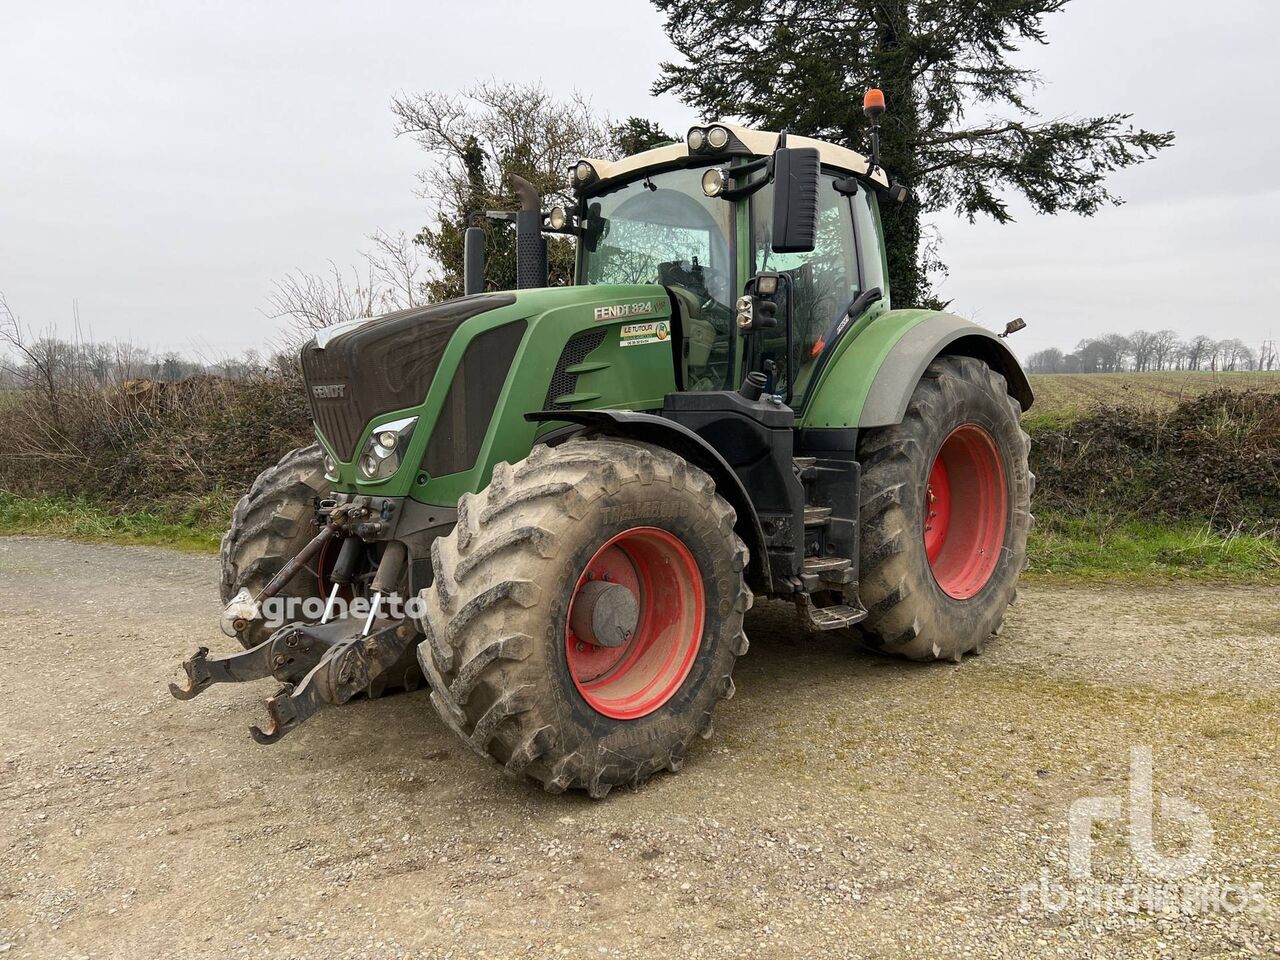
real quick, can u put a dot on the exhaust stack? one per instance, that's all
(473, 260)
(531, 246)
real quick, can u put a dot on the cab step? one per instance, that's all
(826, 572)
(817, 516)
(806, 467)
(828, 618)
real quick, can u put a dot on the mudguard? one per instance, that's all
(871, 378)
(661, 432)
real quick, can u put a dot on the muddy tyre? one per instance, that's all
(586, 613)
(945, 506)
(269, 526)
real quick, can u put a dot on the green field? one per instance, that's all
(1062, 397)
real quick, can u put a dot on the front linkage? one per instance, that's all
(320, 664)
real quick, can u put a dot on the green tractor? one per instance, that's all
(556, 504)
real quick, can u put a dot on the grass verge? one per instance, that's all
(195, 527)
(1096, 548)
(1093, 549)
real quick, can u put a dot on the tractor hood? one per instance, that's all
(424, 401)
(361, 369)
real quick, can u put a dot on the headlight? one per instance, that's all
(718, 137)
(330, 468)
(713, 182)
(557, 218)
(584, 171)
(696, 139)
(385, 449)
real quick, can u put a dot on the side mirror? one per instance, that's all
(796, 174)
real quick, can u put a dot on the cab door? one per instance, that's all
(822, 284)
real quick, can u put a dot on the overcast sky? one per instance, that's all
(161, 164)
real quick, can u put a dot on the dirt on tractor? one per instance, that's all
(850, 804)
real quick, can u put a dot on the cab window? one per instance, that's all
(662, 228)
(822, 282)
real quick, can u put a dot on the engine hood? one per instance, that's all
(364, 368)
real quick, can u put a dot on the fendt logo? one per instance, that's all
(329, 391)
(619, 311)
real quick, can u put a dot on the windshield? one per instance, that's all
(663, 229)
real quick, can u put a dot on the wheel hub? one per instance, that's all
(604, 614)
(635, 623)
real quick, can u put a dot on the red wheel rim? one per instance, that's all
(965, 504)
(641, 674)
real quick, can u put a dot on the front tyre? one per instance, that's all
(945, 507)
(586, 613)
(269, 527)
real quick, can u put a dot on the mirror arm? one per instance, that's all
(747, 189)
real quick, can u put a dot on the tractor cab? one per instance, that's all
(707, 218)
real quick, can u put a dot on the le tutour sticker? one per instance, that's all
(637, 333)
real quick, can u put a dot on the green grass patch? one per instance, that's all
(196, 526)
(1093, 549)
(1097, 548)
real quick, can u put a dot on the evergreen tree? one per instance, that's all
(802, 65)
(636, 135)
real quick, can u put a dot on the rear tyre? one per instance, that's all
(945, 507)
(269, 527)
(586, 613)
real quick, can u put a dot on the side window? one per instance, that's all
(866, 212)
(823, 282)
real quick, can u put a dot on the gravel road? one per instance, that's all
(848, 806)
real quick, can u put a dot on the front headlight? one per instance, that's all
(330, 468)
(385, 449)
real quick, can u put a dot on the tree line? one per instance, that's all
(39, 360)
(1146, 351)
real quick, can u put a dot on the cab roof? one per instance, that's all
(744, 142)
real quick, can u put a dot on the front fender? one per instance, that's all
(870, 381)
(679, 439)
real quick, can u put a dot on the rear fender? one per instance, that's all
(870, 382)
(680, 440)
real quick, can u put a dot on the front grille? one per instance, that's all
(574, 352)
(473, 396)
(384, 365)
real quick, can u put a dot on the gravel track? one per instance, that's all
(848, 805)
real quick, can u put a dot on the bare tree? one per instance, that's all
(40, 360)
(390, 278)
(1235, 355)
(475, 141)
(131, 361)
(1163, 346)
(1050, 360)
(1199, 351)
(1116, 348)
(1142, 346)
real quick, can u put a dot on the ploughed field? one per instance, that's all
(848, 805)
(1068, 395)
